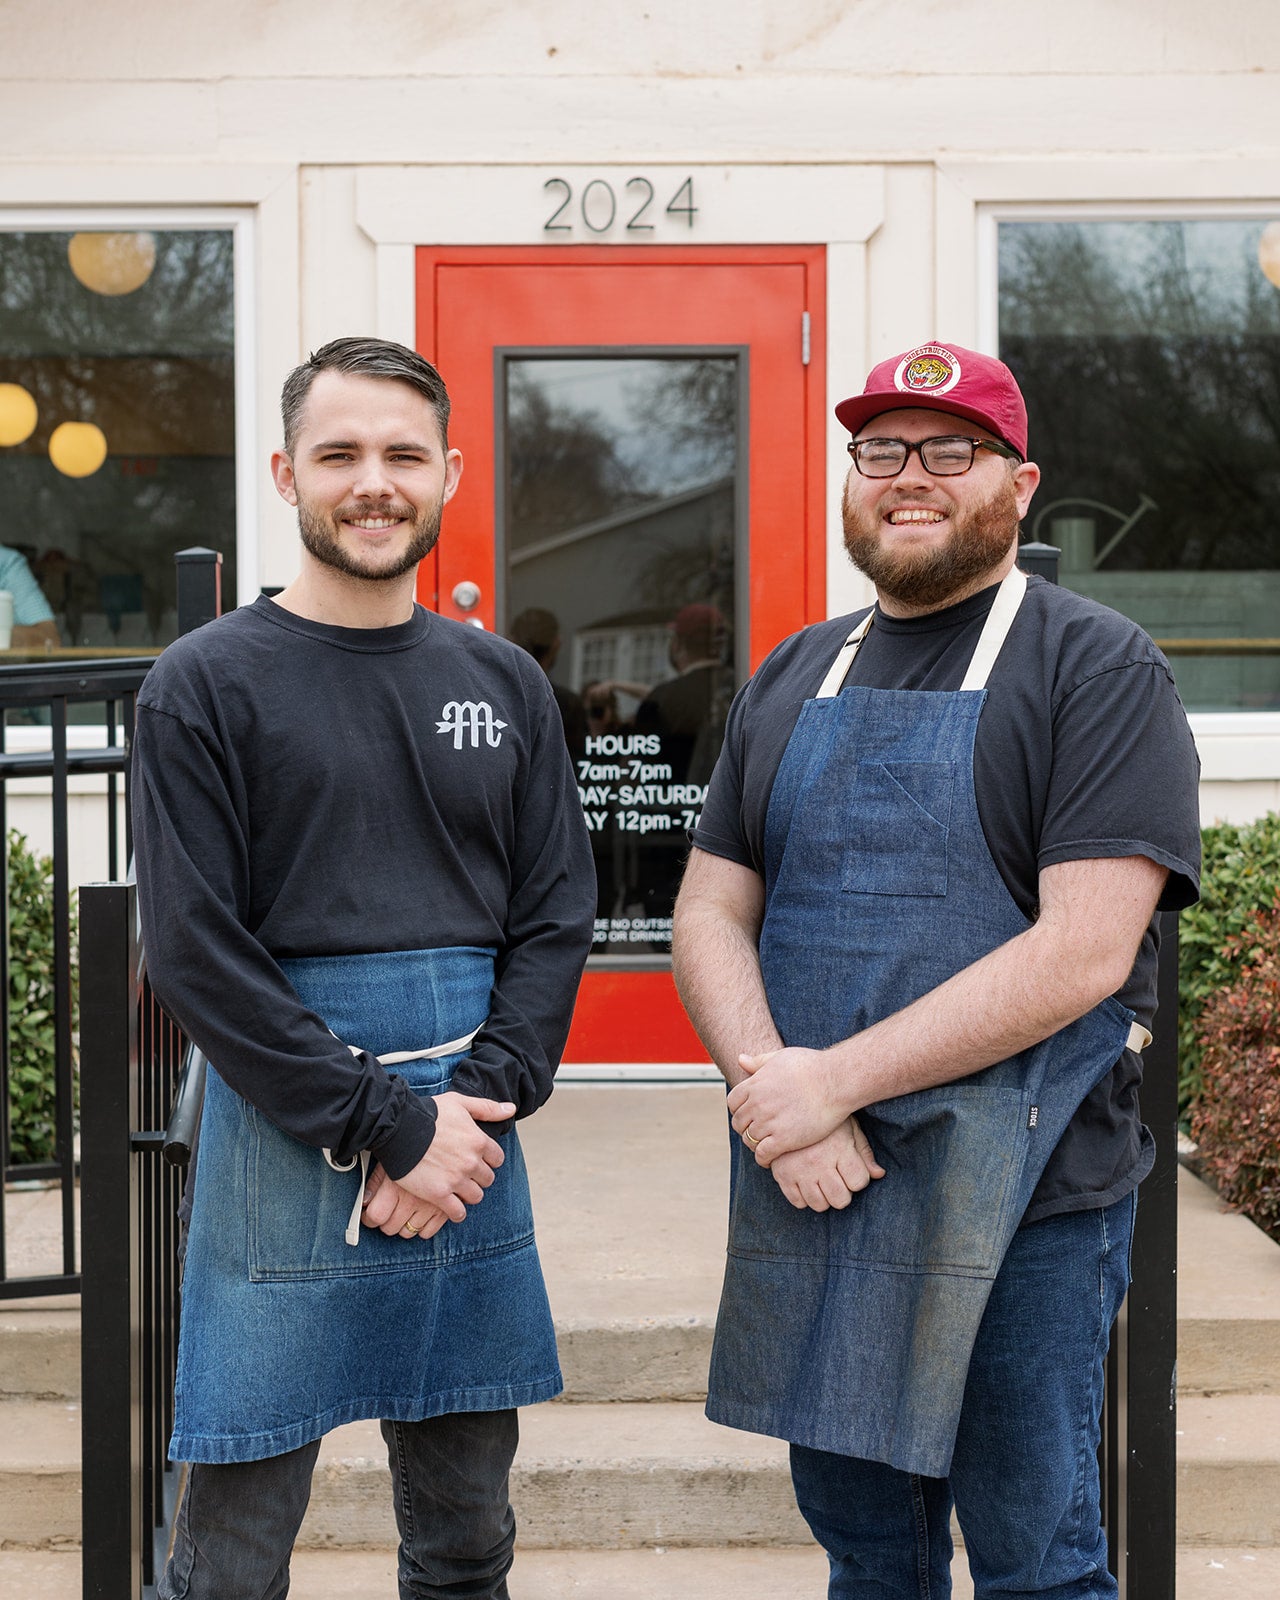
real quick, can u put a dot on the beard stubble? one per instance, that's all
(320, 537)
(929, 578)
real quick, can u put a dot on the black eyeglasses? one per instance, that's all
(945, 457)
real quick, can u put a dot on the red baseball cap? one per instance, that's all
(944, 377)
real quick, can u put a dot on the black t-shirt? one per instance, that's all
(1082, 751)
(301, 789)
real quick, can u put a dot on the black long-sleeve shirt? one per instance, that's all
(301, 789)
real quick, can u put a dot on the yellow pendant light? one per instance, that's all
(77, 449)
(112, 263)
(18, 414)
(1269, 252)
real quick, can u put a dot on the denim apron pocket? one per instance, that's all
(299, 1205)
(899, 815)
(287, 1331)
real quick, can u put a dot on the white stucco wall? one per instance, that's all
(891, 131)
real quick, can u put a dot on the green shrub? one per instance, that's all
(32, 1120)
(1240, 876)
(1236, 1120)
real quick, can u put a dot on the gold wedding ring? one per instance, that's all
(409, 1229)
(754, 1143)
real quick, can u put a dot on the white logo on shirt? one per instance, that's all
(461, 717)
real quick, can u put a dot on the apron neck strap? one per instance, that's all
(1004, 608)
(995, 630)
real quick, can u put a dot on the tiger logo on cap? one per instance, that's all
(930, 369)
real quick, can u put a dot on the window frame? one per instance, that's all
(240, 223)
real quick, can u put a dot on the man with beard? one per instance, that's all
(366, 893)
(916, 933)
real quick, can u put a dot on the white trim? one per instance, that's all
(245, 301)
(397, 293)
(638, 1072)
(775, 203)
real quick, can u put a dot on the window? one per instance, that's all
(117, 426)
(1149, 354)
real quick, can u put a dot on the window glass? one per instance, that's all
(1149, 354)
(117, 429)
(619, 534)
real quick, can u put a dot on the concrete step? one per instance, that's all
(589, 1477)
(1228, 1298)
(634, 1253)
(630, 1189)
(39, 1473)
(785, 1574)
(40, 1349)
(1229, 1470)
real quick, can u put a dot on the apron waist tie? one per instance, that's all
(393, 1058)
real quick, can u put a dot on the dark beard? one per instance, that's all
(927, 579)
(320, 538)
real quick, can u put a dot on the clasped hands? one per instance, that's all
(455, 1172)
(788, 1111)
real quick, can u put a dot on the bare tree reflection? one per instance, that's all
(154, 369)
(1149, 372)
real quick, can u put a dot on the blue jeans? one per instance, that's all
(237, 1522)
(1024, 1476)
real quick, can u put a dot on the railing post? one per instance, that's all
(111, 1349)
(1041, 559)
(1149, 1433)
(1138, 1452)
(199, 587)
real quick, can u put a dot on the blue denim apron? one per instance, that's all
(287, 1329)
(851, 1331)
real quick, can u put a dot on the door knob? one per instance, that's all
(466, 595)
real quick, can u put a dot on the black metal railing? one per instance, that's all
(134, 1060)
(1139, 1441)
(84, 711)
(1137, 1457)
(99, 695)
(140, 1097)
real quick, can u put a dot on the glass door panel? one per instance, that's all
(619, 528)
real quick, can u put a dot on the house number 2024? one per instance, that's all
(600, 207)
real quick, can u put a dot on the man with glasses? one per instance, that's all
(916, 933)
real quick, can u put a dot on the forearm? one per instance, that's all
(1092, 917)
(715, 960)
(1021, 993)
(518, 1050)
(1079, 951)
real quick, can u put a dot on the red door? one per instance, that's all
(643, 509)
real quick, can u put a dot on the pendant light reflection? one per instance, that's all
(18, 414)
(112, 263)
(77, 449)
(1269, 252)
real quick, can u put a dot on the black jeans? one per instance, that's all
(449, 1475)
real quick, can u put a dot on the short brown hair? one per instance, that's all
(370, 358)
